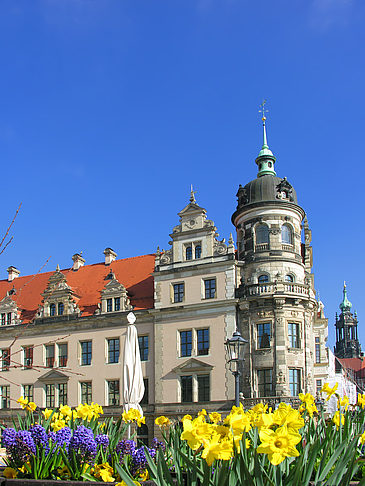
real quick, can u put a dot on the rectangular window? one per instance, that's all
(5, 359)
(264, 379)
(318, 350)
(3, 319)
(62, 394)
(144, 400)
(210, 288)
(86, 392)
(28, 357)
(178, 292)
(8, 318)
(117, 303)
(293, 332)
(113, 350)
(186, 388)
(5, 396)
(62, 355)
(202, 336)
(294, 381)
(28, 392)
(263, 335)
(318, 387)
(50, 395)
(109, 305)
(186, 342)
(203, 388)
(49, 355)
(143, 347)
(86, 351)
(113, 392)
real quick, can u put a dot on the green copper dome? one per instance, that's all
(265, 160)
(345, 304)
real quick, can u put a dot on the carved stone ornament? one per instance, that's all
(284, 190)
(219, 247)
(190, 224)
(166, 257)
(263, 352)
(274, 231)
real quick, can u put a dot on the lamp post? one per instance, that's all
(235, 350)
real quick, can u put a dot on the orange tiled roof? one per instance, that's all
(87, 282)
(355, 364)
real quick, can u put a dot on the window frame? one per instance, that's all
(204, 340)
(204, 390)
(63, 394)
(28, 392)
(265, 388)
(28, 354)
(184, 343)
(260, 237)
(5, 397)
(89, 391)
(183, 380)
(113, 351)
(50, 395)
(286, 232)
(317, 345)
(5, 359)
(86, 353)
(113, 394)
(52, 309)
(210, 291)
(143, 348)
(292, 383)
(61, 362)
(260, 336)
(178, 292)
(294, 338)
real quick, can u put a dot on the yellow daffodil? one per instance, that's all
(123, 483)
(58, 425)
(338, 418)
(66, 411)
(308, 398)
(361, 400)
(343, 402)
(279, 444)
(144, 476)
(286, 415)
(362, 438)
(215, 417)
(189, 434)
(47, 413)
(10, 473)
(203, 412)
(105, 472)
(26, 404)
(328, 390)
(133, 415)
(162, 421)
(217, 449)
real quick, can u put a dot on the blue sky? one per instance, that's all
(110, 109)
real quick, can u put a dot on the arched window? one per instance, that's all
(262, 234)
(286, 235)
(52, 310)
(189, 253)
(263, 279)
(61, 308)
(289, 278)
(198, 251)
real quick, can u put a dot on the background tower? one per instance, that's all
(347, 342)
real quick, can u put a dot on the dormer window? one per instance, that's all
(61, 308)
(193, 251)
(189, 253)
(8, 311)
(114, 296)
(198, 252)
(52, 310)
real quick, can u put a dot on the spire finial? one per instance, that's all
(265, 159)
(57, 268)
(345, 304)
(192, 194)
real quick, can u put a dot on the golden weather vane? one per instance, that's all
(263, 110)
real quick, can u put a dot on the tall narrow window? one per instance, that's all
(86, 352)
(61, 308)
(318, 350)
(178, 292)
(28, 357)
(3, 319)
(144, 400)
(188, 253)
(286, 235)
(109, 305)
(117, 303)
(202, 336)
(52, 309)
(5, 396)
(264, 378)
(50, 355)
(294, 381)
(263, 335)
(8, 318)
(113, 392)
(186, 388)
(142, 435)
(62, 355)
(62, 394)
(209, 287)
(262, 234)
(293, 331)
(203, 388)
(198, 252)
(318, 387)
(5, 359)
(86, 392)
(143, 347)
(186, 342)
(28, 392)
(113, 350)
(50, 395)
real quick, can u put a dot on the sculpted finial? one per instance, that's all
(192, 194)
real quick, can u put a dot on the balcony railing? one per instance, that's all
(262, 247)
(276, 287)
(286, 247)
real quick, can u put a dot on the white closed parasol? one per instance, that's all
(133, 386)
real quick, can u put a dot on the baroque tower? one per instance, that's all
(278, 313)
(347, 342)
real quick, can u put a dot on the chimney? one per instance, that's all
(12, 273)
(110, 256)
(78, 261)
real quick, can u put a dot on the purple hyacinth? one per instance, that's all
(60, 439)
(40, 437)
(8, 437)
(102, 440)
(83, 443)
(156, 444)
(125, 447)
(139, 461)
(22, 448)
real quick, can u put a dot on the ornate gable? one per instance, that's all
(114, 297)
(53, 376)
(9, 310)
(193, 365)
(58, 298)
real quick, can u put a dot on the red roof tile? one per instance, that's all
(355, 364)
(87, 282)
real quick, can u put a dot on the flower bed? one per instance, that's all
(256, 447)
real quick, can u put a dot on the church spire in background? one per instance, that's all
(265, 160)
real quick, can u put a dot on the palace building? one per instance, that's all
(62, 333)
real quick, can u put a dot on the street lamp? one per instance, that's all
(235, 350)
